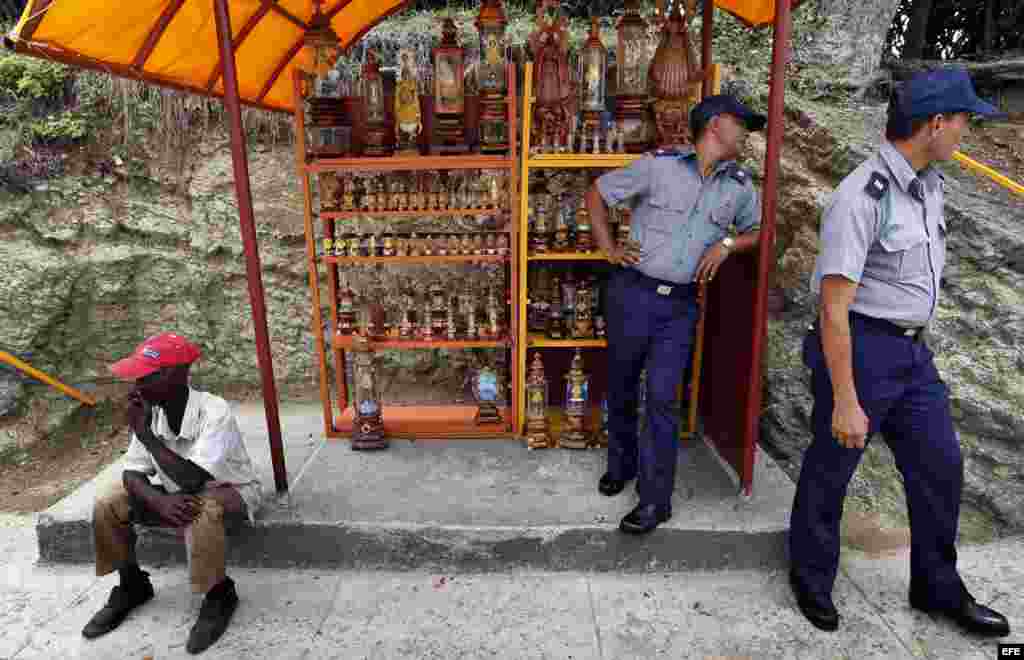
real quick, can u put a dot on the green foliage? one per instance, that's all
(27, 78)
(65, 127)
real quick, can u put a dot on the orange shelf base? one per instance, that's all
(432, 422)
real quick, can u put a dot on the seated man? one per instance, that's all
(191, 441)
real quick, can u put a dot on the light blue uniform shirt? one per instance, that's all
(884, 228)
(677, 213)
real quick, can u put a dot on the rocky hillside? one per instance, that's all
(94, 259)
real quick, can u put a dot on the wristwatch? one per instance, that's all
(728, 242)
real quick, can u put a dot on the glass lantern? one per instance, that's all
(449, 90)
(594, 65)
(491, 70)
(492, 80)
(631, 55)
(537, 428)
(631, 93)
(368, 425)
(373, 90)
(373, 96)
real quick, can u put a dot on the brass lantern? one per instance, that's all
(584, 230)
(376, 117)
(537, 432)
(631, 93)
(576, 405)
(583, 311)
(540, 236)
(492, 77)
(449, 91)
(368, 425)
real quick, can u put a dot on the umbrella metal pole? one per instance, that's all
(252, 255)
(766, 245)
(707, 26)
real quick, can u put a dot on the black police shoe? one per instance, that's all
(610, 487)
(821, 614)
(970, 616)
(218, 606)
(123, 599)
(644, 518)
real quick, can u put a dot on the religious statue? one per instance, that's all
(407, 105)
(673, 73)
(556, 99)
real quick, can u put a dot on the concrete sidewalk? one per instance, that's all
(464, 505)
(319, 614)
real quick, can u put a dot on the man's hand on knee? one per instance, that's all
(178, 510)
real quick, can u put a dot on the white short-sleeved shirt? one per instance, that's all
(211, 439)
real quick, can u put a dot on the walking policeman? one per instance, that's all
(882, 249)
(686, 203)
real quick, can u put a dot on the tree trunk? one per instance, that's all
(853, 40)
(913, 44)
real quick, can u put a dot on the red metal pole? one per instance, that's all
(708, 23)
(252, 254)
(766, 246)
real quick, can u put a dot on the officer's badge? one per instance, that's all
(877, 186)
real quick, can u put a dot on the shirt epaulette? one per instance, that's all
(877, 186)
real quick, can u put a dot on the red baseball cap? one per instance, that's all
(163, 350)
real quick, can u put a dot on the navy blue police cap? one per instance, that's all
(726, 103)
(940, 92)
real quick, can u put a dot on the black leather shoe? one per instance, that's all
(218, 606)
(123, 599)
(610, 487)
(971, 616)
(822, 615)
(644, 518)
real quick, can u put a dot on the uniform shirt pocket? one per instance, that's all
(903, 256)
(666, 213)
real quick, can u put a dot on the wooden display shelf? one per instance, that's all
(568, 256)
(443, 421)
(344, 215)
(537, 340)
(436, 259)
(346, 342)
(410, 163)
(578, 161)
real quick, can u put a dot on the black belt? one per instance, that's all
(661, 287)
(881, 324)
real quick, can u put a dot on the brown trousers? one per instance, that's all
(116, 513)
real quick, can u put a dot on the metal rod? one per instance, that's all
(766, 245)
(252, 256)
(707, 24)
(1002, 180)
(52, 382)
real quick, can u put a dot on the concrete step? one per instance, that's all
(471, 506)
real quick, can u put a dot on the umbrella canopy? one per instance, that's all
(174, 42)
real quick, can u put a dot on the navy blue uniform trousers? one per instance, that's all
(646, 329)
(906, 400)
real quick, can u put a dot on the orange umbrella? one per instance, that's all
(174, 42)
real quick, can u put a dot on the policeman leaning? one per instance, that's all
(686, 202)
(882, 249)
